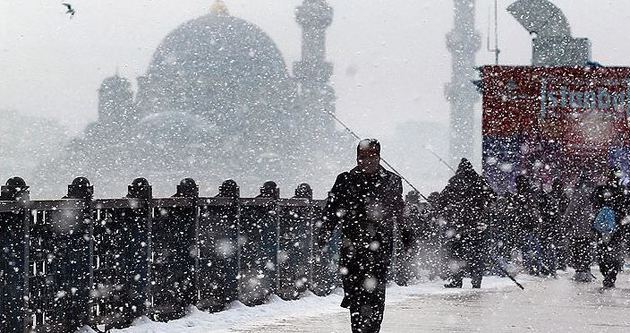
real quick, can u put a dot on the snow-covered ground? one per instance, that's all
(243, 318)
(546, 305)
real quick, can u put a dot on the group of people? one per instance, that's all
(467, 230)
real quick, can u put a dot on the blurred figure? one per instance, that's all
(526, 214)
(500, 236)
(579, 216)
(424, 257)
(553, 233)
(463, 203)
(409, 262)
(440, 251)
(608, 201)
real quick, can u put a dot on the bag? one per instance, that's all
(605, 221)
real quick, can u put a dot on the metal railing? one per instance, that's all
(78, 261)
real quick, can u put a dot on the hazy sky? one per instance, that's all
(52, 66)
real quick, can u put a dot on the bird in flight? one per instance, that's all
(70, 10)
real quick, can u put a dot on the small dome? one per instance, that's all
(115, 100)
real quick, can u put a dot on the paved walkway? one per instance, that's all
(545, 306)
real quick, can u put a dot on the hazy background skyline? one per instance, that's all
(390, 58)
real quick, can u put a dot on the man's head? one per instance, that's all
(413, 197)
(369, 156)
(433, 198)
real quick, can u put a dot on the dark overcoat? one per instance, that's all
(368, 208)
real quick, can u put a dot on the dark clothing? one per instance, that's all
(500, 237)
(463, 203)
(580, 216)
(582, 254)
(369, 209)
(525, 210)
(469, 250)
(580, 213)
(610, 258)
(609, 253)
(553, 233)
(407, 267)
(364, 289)
(554, 206)
(610, 195)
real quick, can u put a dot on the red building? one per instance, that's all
(548, 122)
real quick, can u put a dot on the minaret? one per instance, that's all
(463, 42)
(115, 101)
(313, 72)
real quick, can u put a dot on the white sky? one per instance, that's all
(52, 66)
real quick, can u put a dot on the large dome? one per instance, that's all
(221, 67)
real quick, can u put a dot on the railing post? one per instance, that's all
(270, 234)
(188, 188)
(305, 191)
(230, 239)
(14, 262)
(138, 251)
(76, 278)
(218, 248)
(174, 240)
(258, 243)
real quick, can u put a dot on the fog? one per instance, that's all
(390, 58)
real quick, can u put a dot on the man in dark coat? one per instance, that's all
(609, 247)
(367, 203)
(554, 230)
(464, 202)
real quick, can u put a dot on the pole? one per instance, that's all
(349, 130)
(504, 271)
(496, 50)
(440, 159)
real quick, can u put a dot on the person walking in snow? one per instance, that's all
(553, 232)
(580, 216)
(525, 211)
(424, 255)
(463, 203)
(414, 213)
(609, 197)
(367, 202)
